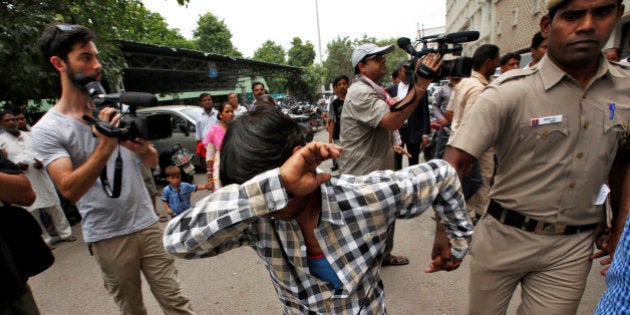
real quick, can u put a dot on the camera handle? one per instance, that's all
(111, 132)
(105, 128)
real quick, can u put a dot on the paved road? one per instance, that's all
(238, 283)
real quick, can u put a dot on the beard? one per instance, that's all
(79, 80)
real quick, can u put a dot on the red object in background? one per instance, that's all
(200, 151)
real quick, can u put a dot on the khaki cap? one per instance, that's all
(553, 3)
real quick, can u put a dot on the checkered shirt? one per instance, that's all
(616, 299)
(356, 214)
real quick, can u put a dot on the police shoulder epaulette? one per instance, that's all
(514, 74)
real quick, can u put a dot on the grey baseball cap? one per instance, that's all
(368, 49)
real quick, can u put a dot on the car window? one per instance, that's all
(192, 112)
(176, 122)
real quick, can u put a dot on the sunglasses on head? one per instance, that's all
(65, 27)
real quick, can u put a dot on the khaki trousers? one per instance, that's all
(478, 203)
(551, 269)
(122, 258)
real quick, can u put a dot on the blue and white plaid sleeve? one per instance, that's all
(219, 222)
(436, 184)
(616, 299)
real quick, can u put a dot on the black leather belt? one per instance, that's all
(519, 221)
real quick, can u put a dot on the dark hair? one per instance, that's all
(59, 39)
(220, 109)
(257, 83)
(483, 53)
(258, 141)
(172, 170)
(5, 112)
(267, 99)
(504, 60)
(202, 95)
(537, 40)
(395, 74)
(342, 77)
(553, 11)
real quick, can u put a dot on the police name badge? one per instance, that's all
(545, 120)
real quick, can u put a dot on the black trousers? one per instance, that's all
(413, 149)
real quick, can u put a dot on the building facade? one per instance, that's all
(510, 24)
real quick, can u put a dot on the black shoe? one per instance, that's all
(334, 168)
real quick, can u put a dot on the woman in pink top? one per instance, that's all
(213, 141)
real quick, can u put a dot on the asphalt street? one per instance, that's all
(237, 282)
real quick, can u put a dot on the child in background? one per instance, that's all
(176, 195)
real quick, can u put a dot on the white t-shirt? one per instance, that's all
(20, 149)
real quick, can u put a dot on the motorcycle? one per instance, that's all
(180, 157)
(304, 119)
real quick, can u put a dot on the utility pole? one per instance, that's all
(319, 38)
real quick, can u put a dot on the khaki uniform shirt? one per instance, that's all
(555, 142)
(367, 146)
(464, 96)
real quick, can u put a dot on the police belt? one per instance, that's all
(525, 223)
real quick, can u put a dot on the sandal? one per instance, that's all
(392, 260)
(70, 238)
(163, 218)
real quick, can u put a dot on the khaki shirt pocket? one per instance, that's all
(540, 142)
(615, 133)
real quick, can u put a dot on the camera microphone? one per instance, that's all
(461, 37)
(96, 91)
(130, 98)
(404, 43)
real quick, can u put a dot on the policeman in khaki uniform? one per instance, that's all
(556, 128)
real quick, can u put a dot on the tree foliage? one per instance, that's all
(301, 55)
(213, 36)
(27, 77)
(154, 30)
(270, 52)
(338, 60)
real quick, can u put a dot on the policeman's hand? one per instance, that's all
(602, 242)
(441, 253)
(299, 171)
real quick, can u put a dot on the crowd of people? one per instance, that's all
(534, 162)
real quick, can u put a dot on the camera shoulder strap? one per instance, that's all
(115, 193)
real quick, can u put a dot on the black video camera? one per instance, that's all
(131, 126)
(458, 67)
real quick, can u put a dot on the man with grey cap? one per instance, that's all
(370, 116)
(556, 129)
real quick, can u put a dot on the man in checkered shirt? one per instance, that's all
(321, 238)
